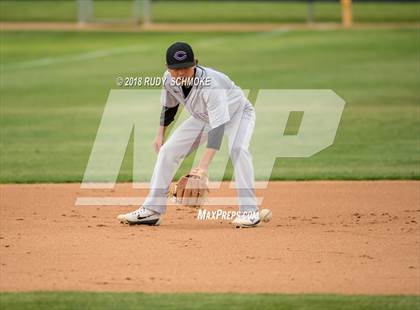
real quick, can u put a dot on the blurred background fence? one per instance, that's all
(206, 11)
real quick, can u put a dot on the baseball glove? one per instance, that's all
(191, 189)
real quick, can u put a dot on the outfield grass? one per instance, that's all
(55, 84)
(127, 301)
(211, 11)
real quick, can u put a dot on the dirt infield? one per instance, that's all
(325, 237)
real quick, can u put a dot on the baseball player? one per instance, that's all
(218, 108)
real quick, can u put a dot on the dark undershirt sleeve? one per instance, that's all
(215, 137)
(167, 115)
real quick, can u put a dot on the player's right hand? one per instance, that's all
(157, 144)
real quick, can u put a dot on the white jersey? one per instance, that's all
(214, 103)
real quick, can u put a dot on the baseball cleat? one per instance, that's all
(141, 216)
(244, 220)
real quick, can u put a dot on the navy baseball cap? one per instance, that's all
(179, 55)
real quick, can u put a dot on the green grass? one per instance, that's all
(91, 301)
(50, 112)
(211, 11)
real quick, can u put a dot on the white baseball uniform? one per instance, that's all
(220, 102)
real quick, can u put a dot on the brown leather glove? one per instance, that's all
(191, 189)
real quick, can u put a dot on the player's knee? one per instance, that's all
(165, 150)
(168, 151)
(238, 151)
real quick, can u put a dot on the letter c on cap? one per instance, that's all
(180, 55)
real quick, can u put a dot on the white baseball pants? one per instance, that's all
(186, 138)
